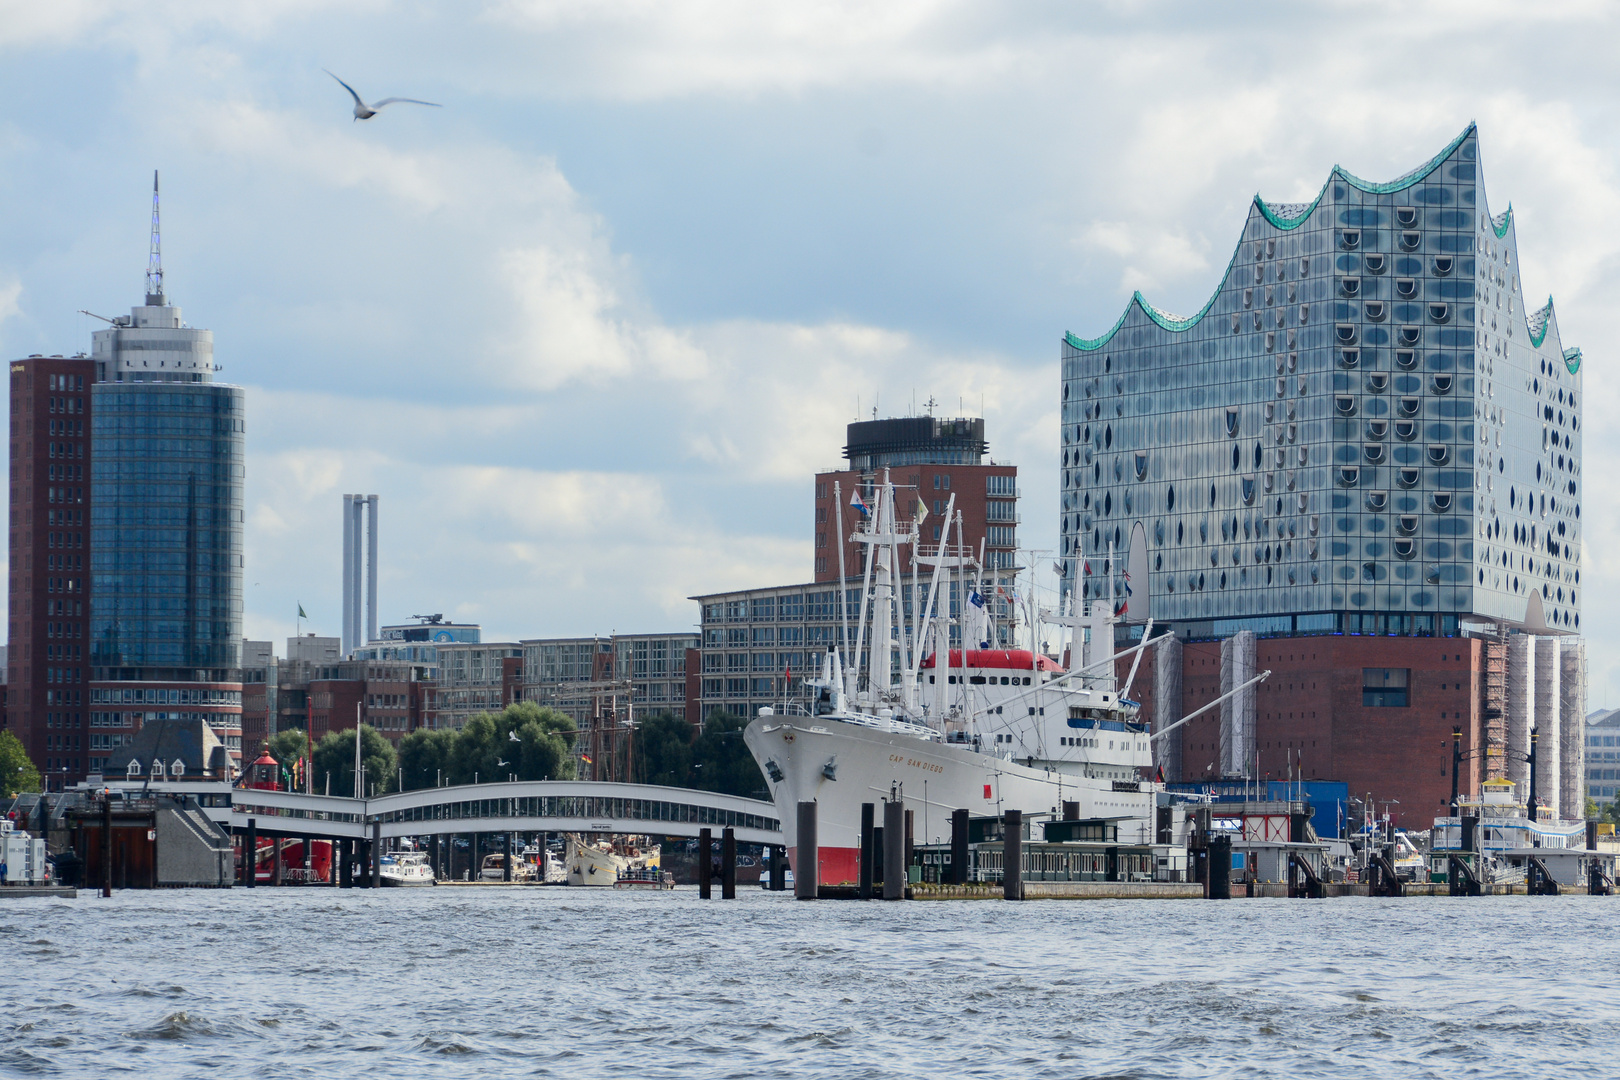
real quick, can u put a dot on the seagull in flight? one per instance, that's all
(362, 111)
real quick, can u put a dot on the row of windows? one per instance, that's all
(159, 696)
(584, 806)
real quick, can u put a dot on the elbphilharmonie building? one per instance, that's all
(1369, 432)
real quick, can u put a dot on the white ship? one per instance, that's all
(405, 868)
(600, 865)
(986, 730)
(1501, 835)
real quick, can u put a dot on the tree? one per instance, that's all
(523, 740)
(288, 746)
(663, 751)
(1593, 811)
(17, 772)
(723, 762)
(424, 757)
(334, 757)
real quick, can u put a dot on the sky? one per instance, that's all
(589, 328)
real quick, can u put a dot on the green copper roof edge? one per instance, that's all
(1572, 360)
(1178, 325)
(1175, 326)
(1417, 176)
(1294, 222)
(1507, 223)
(1535, 338)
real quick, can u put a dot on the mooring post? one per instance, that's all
(778, 868)
(894, 850)
(1220, 868)
(344, 850)
(705, 864)
(511, 853)
(961, 873)
(376, 853)
(807, 871)
(1012, 855)
(867, 871)
(106, 846)
(728, 864)
(250, 853)
(911, 843)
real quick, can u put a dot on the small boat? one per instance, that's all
(405, 868)
(644, 877)
(494, 869)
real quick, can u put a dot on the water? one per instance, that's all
(489, 983)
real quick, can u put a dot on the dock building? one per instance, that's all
(1359, 465)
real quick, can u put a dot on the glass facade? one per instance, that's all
(167, 480)
(1367, 421)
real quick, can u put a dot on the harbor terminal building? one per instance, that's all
(1358, 465)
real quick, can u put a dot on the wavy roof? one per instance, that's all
(1284, 216)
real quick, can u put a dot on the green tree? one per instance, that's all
(723, 762)
(424, 756)
(523, 740)
(663, 751)
(1594, 812)
(17, 772)
(334, 757)
(288, 746)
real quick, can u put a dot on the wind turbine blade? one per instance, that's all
(349, 88)
(405, 101)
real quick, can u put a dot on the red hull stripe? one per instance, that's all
(839, 865)
(1009, 659)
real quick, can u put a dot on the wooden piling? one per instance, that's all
(911, 843)
(705, 864)
(728, 864)
(778, 868)
(376, 853)
(250, 853)
(1012, 855)
(961, 872)
(894, 850)
(344, 849)
(867, 870)
(1219, 885)
(807, 874)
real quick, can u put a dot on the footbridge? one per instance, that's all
(518, 807)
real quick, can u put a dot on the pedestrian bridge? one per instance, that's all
(519, 807)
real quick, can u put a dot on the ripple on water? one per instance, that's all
(333, 983)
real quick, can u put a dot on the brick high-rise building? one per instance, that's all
(49, 658)
(928, 459)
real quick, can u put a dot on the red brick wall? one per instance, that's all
(1311, 711)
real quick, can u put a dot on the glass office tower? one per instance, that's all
(1368, 427)
(166, 598)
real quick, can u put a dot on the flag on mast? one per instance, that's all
(301, 614)
(858, 503)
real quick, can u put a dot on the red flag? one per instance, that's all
(987, 791)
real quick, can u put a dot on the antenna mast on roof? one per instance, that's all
(154, 260)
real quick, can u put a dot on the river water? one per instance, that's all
(537, 982)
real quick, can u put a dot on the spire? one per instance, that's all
(154, 261)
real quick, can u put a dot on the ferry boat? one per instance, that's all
(982, 729)
(1496, 834)
(405, 869)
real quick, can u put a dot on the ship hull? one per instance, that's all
(840, 765)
